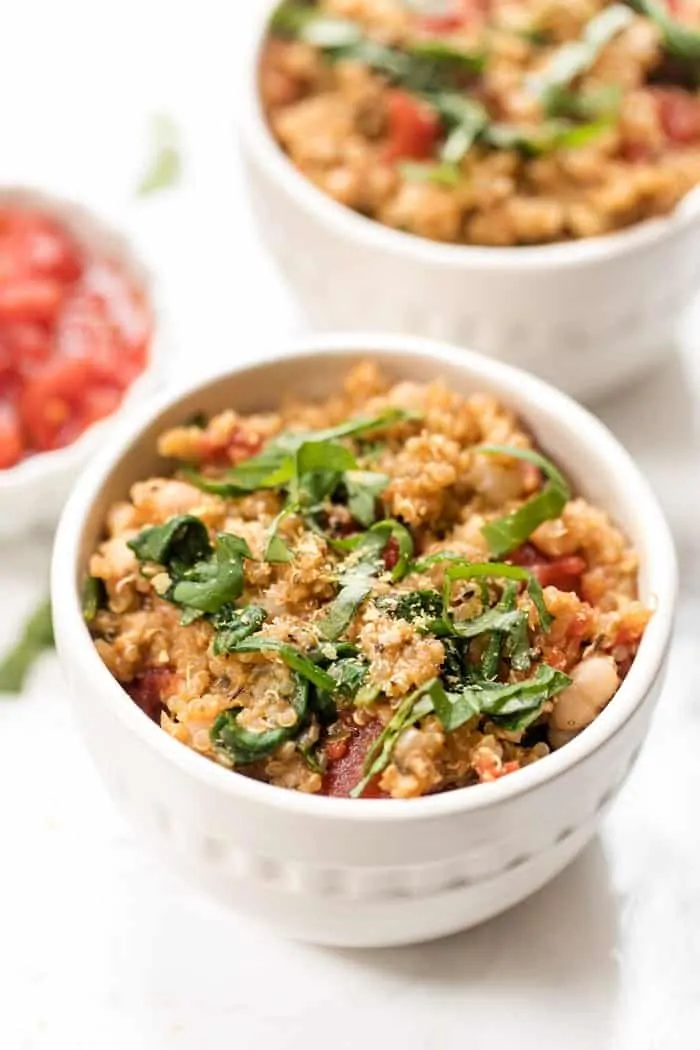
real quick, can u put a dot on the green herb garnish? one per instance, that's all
(37, 636)
(506, 534)
(93, 598)
(679, 40)
(294, 659)
(234, 625)
(513, 706)
(577, 57)
(165, 163)
(243, 746)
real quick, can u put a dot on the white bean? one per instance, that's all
(594, 683)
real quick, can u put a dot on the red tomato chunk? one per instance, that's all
(74, 335)
(413, 128)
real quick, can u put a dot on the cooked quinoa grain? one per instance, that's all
(391, 593)
(490, 122)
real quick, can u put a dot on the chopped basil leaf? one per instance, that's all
(513, 706)
(349, 676)
(276, 550)
(184, 539)
(364, 487)
(243, 746)
(294, 659)
(600, 103)
(545, 137)
(577, 57)
(344, 606)
(207, 585)
(234, 625)
(93, 598)
(464, 118)
(415, 706)
(165, 164)
(421, 607)
(511, 531)
(447, 175)
(679, 40)
(37, 636)
(502, 570)
(492, 653)
(275, 466)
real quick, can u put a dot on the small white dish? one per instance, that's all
(32, 494)
(586, 315)
(364, 872)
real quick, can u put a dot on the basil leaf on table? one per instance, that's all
(509, 532)
(37, 636)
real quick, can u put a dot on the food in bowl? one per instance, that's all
(390, 593)
(490, 122)
(74, 333)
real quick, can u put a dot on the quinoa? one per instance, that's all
(549, 150)
(314, 598)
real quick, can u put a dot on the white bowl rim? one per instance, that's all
(75, 644)
(372, 234)
(66, 211)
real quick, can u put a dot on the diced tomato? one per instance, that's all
(391, 554)
(74, 334)
(50, 401)
(679, 112)
(464, 13)
(563, 573)
(149, 690)
(30, 299)
(345, 770)
(414, 128)
(11, 441)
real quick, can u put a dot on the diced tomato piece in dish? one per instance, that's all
(414, 128)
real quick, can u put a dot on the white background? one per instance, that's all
(100, 948)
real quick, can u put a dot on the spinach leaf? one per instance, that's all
(276, 550)
(364, 487)
(36, 637)
(243, 746)
(294, 659)
(184, 539)
(93, 598)
(577, 57)
(415, 706)
(513, 706)
(233, 625)
(511, 531)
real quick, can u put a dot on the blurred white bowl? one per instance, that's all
(33, 493)
(364, 872)
(586, 315)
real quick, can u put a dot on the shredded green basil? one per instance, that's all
(37, 636)
(234, 625)
(243, 746)
(679, 40)
(294, 659)
(506, 534)
(93, 598)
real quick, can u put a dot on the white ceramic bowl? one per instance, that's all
(33, 493)
(365, 872)
(585, 315)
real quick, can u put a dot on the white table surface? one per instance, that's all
(100, 947)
